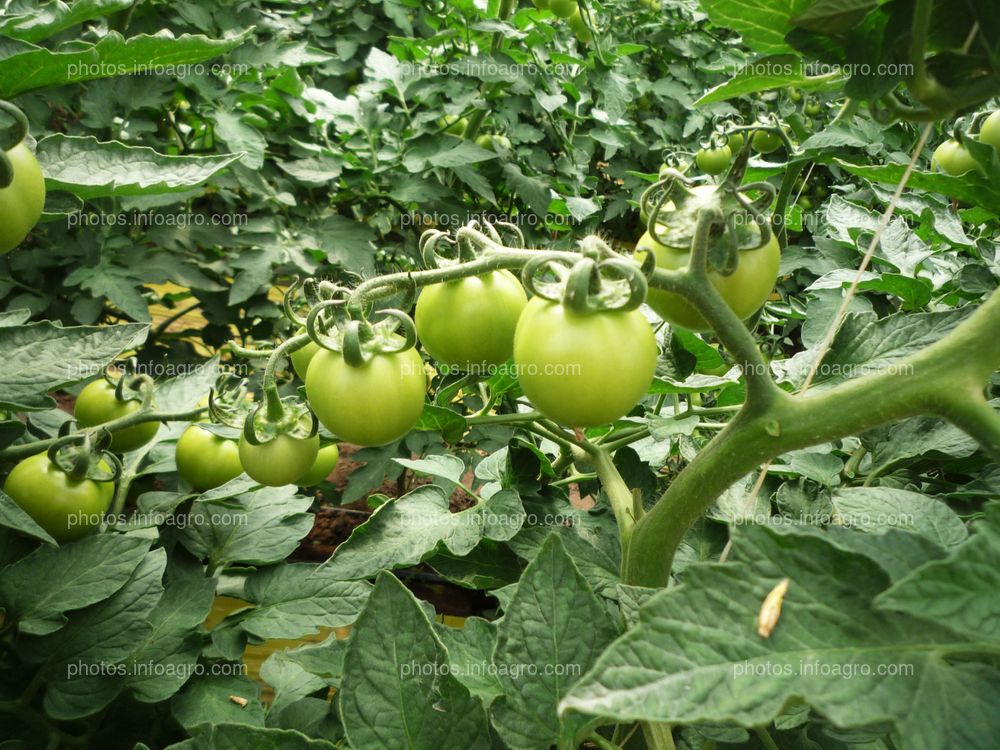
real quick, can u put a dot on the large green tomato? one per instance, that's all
(279, 461)
(66, 508)
(990, 132)
(469, 323)
(207, 461)
(583, 369)
(373, 404)
(21, 202)
(744, 290)
(97, 404)
(953, 158)
(323, 466)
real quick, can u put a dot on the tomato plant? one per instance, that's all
(67, 508)
(98, 403)
(205, 460)
(470, 323)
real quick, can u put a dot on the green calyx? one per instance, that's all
(589, 285)
(295, 420)
(355, 336)
(677, 210)
(80, 457)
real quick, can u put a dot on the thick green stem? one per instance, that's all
(945, 379)
(619, 495)
(22, 450)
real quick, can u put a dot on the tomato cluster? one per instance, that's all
(954, 158)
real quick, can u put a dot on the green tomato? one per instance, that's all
(66, 508)
(744, 290)
(206, 461)
(469, 323)
(812, 108)
(579, 26)
(795, 95)
(541, 4)
(766, 142)
(97, 404)
(279, 461)
(455, 125)
(302, 357)
(990, 132)
(492, 142)
(21, 202)
(735, 142)
(323, 466)
(583, 370)
(714, 160)
(953, 158)
(563, 8)
(373, 404)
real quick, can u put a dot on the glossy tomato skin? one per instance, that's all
(583, 370)
(766, 142)
(21, 202)
(563, 8)
(469, 323)
(279, 461)
(323, 466)
(714, 161)
(302, 357)
(990, 133)
(66, 508)
(373, 404)
(98, 404)
(953, 158)
(207, 461)
(744, 290)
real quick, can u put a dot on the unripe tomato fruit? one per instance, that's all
(455, 125)
(541, 4)
(302, 357)
(207, 461)
(279, 461)
(21, 202)
(953, 158)
(562, 8)
(66, 508)
(583, 369)
(766, 142)
(323, 466)
(97, 404)
(490, 141)
(744, 290)
(990, 132)
(714, 161)
(579, 26)
(373, 404)
(735, 142)
(469, 323)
